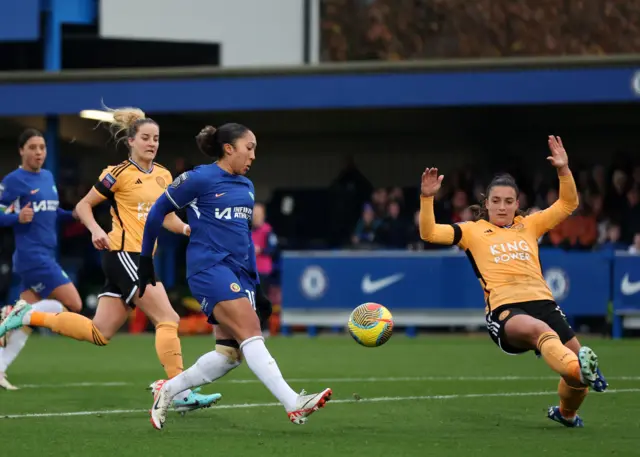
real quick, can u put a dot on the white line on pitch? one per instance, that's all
(335, 380)
(266, 405)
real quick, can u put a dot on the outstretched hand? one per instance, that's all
(431, 182)
(558, 157)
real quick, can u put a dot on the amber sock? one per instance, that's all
(168, 348)
(570, 398)
(69, 324)
(560, 358)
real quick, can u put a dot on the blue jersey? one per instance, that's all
(219, 209)
(36, 242)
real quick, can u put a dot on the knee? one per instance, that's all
(526, 331)
(231, 350)
(106, 332)
(75, 305)
(537, 330)
(105, 336)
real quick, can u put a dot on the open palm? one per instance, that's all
(431, 182)
(558, 157)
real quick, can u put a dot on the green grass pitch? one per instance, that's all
(429, 396)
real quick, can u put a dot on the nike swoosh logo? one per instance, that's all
(34, 191)
(371, 287)
(220, 195)
(629, 288)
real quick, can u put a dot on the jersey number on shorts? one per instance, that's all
(252, 297)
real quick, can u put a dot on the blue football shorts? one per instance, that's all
(43, 279)
(221, 283)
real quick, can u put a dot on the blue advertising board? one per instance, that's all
(580, 282)
(626, 284)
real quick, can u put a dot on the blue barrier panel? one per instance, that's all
(19, 20)
(336, 91)
(626, 289)
(314, 281)
(626, 282)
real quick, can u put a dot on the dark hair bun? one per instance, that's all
(206, 140)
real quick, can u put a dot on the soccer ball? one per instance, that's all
(371, 324)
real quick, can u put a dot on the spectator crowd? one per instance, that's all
(608, 217)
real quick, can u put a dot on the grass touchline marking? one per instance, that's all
(267, 405)
(335, 380)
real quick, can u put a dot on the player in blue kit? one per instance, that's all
(29, 204)
(221, 270)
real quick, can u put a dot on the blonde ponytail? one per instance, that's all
(126, 121)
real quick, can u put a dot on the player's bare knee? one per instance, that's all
(107, 331)
(74, 306)
(537, 329)
(231, 350)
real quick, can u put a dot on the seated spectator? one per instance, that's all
(393, 229)
(635, 247)
(459, 203)
(578, 231)
(379, 200)
(414, 242)
(612, 242)
(366, 232)
(631, 217)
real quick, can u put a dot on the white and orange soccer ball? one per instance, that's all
(371, 324)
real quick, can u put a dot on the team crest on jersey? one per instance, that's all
(503, 315)
(179, 180)
(161, 182)
(519, 226)
(108, 181)
(235, 287)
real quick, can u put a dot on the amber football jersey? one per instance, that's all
(132, 191)
(505, 259)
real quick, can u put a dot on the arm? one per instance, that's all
(84, 209)
(8, 218)
(448, 235)
(567, 202)
(157, 215)
(65, 215)
(174, 224)
(543, 221)
(183, 190)
(252, 260)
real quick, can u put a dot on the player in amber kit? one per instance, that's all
(521, 315)
(131, 188)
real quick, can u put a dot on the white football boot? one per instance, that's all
(5, 384)
(194, 401)
(306, 405)
(161, 403)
